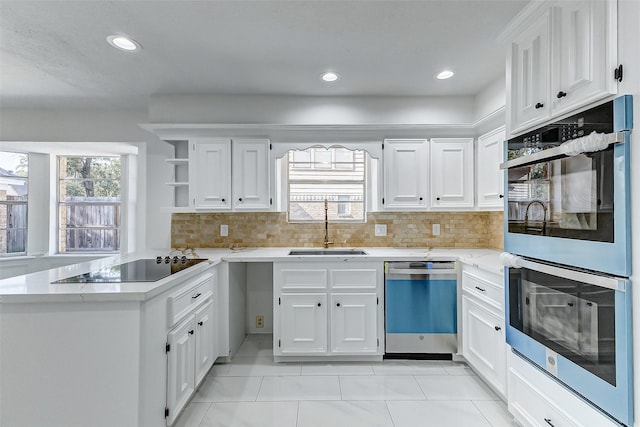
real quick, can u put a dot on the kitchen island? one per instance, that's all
(79, 354)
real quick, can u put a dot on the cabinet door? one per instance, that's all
(584, 53)
(209, 173)
(451, 170)
(490, 177)
(405, 174)
(483, 343)
(529, 75)
(354, 323)
(206, 340)
(180, 367)
(251, 180)
(303, 323)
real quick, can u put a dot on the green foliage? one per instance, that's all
(92, 176)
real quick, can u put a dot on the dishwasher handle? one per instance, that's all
(424, 271)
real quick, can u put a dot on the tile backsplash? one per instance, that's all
(404, 229)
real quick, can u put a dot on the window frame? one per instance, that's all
(19, 202)
(333, 167)
(121, 207)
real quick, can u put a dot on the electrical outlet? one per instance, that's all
(259, 321)
(224, 230)
(435, 229)
(381, 230)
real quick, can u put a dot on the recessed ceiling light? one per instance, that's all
(123, 43)
(445, 74)
(330, 76)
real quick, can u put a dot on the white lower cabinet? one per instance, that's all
(206, 343)
(304, 325)
(537, 400)
(353, 321)
(483, 343)
(191, 345)
(483, 330)
(180, 367)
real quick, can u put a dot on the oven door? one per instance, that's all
(576, 326)
(572, 210)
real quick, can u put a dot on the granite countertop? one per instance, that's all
(37, 287)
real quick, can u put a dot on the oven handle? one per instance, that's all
(557, 152)
(608, 282)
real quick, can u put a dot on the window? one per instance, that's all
(318, 174)
(14, 192)
(89, 204)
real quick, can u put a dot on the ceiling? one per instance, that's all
(54, 53)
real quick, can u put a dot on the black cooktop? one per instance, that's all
(142, 270)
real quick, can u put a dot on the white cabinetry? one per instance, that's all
(529, 74)
(561, 59)
(353, 320)
(451, 172)
(210, 173)
(303, 323)
(180, 174)
(405, 174)
(490, 178)
(483, 336)
(536, 400)
(222, 171)
(180, 367)
(305, 326)
(583, 53)
(250, 171)
(206, 350)
(191, 345)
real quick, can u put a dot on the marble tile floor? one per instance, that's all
(253, 391)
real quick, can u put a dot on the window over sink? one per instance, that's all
(336, 174)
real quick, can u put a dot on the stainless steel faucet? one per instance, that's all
(326, 242)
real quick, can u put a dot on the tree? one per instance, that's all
(93, 176)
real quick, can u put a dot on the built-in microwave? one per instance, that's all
(576, 326)
(567, 190)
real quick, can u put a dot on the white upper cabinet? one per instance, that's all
(451, 173)
(490, 177)
(251, 183)
(405, 174)
(583, 54)
(562, 57)
(530, 74)
(226, 174)
(210, 173)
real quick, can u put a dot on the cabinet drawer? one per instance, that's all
(182, 302)
(297, 278)
(531, 407)
(354, 278)
(488, 291)
(534, 397)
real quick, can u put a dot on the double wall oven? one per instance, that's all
(567, 228)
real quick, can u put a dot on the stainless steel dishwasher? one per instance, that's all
(420, 308)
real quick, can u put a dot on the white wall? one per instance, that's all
(260, 296)
(629, 56)
(491, 99)
(311, 110)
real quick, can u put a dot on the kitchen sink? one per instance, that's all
(327, 252)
